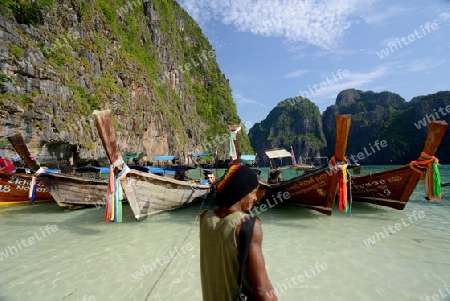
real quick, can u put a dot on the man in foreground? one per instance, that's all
(236, 193)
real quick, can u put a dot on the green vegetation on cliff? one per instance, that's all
(375, 116)
(387, 116)
(295, 123)
(148, 61)
(28, 13)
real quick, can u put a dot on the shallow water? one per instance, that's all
(309, 256)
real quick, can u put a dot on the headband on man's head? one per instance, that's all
(238, 181)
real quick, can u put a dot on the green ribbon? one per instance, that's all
(436, 180)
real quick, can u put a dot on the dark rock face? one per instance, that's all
(292, 123)
(148, 62)
(385, 129)
(387, 117)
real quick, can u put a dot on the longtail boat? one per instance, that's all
(67, 190)
(147, 193)
(393, 187)
(15, 187)
(317, 189)
(236, 158)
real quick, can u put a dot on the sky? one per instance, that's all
(271, 50)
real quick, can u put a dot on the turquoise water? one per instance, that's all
(59, 255)
(287, 173)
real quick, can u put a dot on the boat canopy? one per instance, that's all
(139, 167)
(201, 155)
(277, 153)
(161, 171)
(97, 169)
(163, 158)
(152, 169)
(155, 170)
(204, 169)
(248, 157)
(18, 158)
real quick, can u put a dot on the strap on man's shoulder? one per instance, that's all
(245, 237)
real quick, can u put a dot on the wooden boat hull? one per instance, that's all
(15, 187)
(386, 188)
(66, 190)
(393, 187)
(315, 190)
(149, 193)
(69, 190)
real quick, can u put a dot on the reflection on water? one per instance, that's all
(367, 256)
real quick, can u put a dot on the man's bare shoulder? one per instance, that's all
(257, 234)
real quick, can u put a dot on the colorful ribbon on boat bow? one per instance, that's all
(114, 197)
(432, 176)
(341, 168)
(233, 153)
(34, 182)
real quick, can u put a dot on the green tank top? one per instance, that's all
(219, 265)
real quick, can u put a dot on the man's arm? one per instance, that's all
(256, 268)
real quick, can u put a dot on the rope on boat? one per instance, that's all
(114, 196)
(432, 177)
(34, 182)
(179, 246)
(341, 168)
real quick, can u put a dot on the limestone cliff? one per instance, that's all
(295, 123)
(387, 116)
(385, 128)
(148, 61)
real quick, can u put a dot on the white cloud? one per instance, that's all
(420, 65)
(404, 67)
(333, 84)
(239, 99)
(318, 23)
(382, 15)
(425, 64)
(296, 73)
(388, 41)
(444, 18)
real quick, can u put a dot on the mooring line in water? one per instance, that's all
(171, 259)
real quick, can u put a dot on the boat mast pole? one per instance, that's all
(342, 131)
(436, 131)
(237, 142)
(21, 148)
